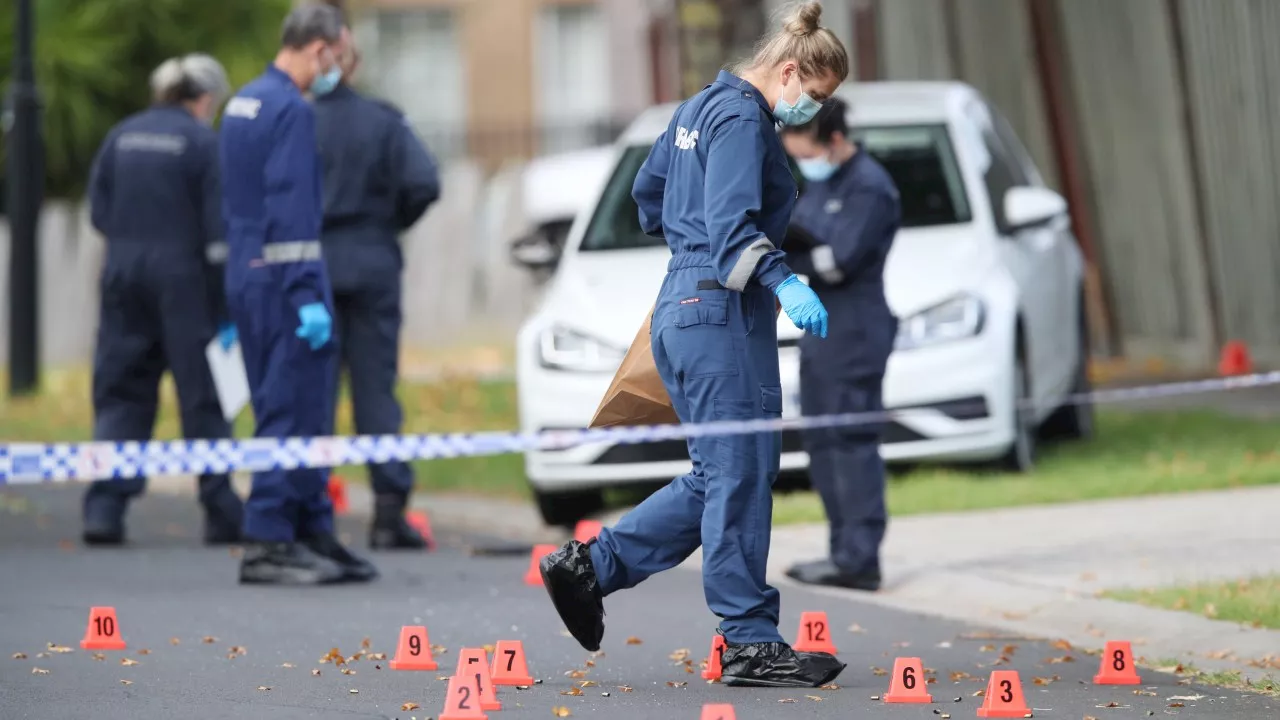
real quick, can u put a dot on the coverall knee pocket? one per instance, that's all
(740, 455)
(703, 340)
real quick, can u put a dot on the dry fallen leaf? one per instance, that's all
(787, 700)
(439, 649)
(878, 672)
(576, 674)
(633, 640)
(957, 676)
(264, 688)
(126, 682)
(238, 650)
(1144, 692)
(1112, 704)
(207, 640)
(1062, 645)
(43, 655)
(129, 661)
(60, 649)
(814, 698)
(175, 641)
(831, 686)
(98, 656)
(587, 683)
(348, 671)
(377, 656)
(1090, 717)
(624, 688)
(1058, 660)
(286, 665)
(987, 648)
(315, 671)
(673, 684)
(1176, 705)
(19, 656)
(680, 655)
(409, 706)
(560, 711)
(1043, 680)
(1009, 649)
(1192, 698)
(39, 671)
(366, 643)
(856, 628)
(980, 693)
(575, 692)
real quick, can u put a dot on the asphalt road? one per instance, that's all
(201, 646)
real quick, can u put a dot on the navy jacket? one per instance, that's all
(854, 216)
(717, 182)
(272, 198)
(379, 180)
(154, 193)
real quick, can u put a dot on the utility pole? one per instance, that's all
(26, 188)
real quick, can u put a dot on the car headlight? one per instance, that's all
(563, 349)
(958, 318)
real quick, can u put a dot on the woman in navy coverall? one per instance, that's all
(717, 186)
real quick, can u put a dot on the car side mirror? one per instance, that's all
(535, 252)
(1031, 207)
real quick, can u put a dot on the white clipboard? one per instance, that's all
(227, 368)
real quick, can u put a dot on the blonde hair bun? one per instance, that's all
(806, 20)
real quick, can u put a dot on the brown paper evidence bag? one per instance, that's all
(637, 395)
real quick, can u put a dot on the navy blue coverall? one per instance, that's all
(855, 215)
(378, 181)
(154, 194)
(273, 211)
(718, 186)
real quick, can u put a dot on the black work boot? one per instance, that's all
(570, 579)
(390, 529)
(354, 568)
(775, 664)
(286, 564)
(828, 574)
(223, 516)
(103, 519)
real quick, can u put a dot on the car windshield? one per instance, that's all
(918, 157)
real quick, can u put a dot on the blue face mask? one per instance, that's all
(804, 109)
(817, 169)
(325, 82)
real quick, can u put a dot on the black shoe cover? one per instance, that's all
(286, 564)
(570, 579)
(390, 529)
(828, 574)
(776, 665)
(354, 568)
(103, 520)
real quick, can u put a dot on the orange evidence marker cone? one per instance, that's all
(419, 521)
(908, 683)
(1117, 665)
(414, 650)
(509, 664)
(462, 700)
(714, 668)
(103, 632)
(534, 575)
(473, 663)
(1235, 359)
(815, 634)
(718, 712)
(338, 495)
(1004, 697)
(586, 529)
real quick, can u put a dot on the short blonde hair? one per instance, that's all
(802, 38)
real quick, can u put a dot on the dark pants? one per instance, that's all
(155, 316)
(717, 353)
(292, 396)
(368, 321)
(845, 466)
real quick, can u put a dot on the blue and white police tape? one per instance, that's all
(26, 463)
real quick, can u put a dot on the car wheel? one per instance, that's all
(1021, 457)
(1074, 420)
(567, 508)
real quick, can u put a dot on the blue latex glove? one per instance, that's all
(227, 335)
(315, 326)
(803, 306)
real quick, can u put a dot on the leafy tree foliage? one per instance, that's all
(93, 59)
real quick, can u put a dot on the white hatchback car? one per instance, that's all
(985, 276)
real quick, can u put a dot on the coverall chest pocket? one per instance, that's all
(702, 339)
